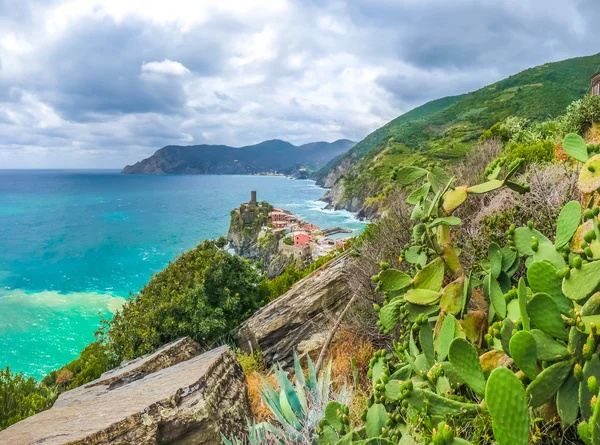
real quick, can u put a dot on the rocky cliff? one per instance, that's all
(171, 397)
(247, 239)
(299, 319)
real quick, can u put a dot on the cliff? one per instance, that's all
(248, 240)
(269, 156)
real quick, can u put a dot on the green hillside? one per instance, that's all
(447, 128)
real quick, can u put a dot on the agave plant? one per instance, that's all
(297, 407)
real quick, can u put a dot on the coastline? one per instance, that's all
(126, 254)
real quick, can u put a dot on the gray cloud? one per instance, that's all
(91, 83)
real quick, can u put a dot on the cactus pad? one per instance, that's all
(444, 337)
(590, 369)
(394, 280)
(409, 174)
(439, 405)
(465, 361)
(431, 277)
(333, 412)
(523, 350)
(419, 194)
(575, 146)
(545, 315)
(506, 333)
(548, 349)
(390, 314)
(589, 176)
(522, 239)
(542, 278)
(376, 418)
(547, 252)
(522, 297)
(496, 296)
(426, 341)
(548, 382)
(452, 297)
(422, 296)
(582, 282)
(454, 198)
(568, 222)
(507, 403)
(567, 401)
(495, 258)
(486, 186)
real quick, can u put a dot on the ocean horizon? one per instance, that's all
(76, 243)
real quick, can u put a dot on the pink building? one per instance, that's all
(301, 239)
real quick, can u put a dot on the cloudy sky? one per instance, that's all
(103, 83)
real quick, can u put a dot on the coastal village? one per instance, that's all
(303, 240)
(285, 232)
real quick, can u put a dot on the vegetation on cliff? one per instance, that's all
(447, 129)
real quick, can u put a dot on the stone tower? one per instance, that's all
(253, 198)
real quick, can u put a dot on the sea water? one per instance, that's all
(75, 244)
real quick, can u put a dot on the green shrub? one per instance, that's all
(580, 115)
(204, 294)
(538, 152)
(21, 397)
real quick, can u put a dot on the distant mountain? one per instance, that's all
(269, 156)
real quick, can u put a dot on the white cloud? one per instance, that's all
(104, 83)
(165, 67)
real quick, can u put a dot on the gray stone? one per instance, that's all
(300, 318)
(165, 398)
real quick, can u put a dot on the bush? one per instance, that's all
(21, 397)
(204, 294)
(538, 152)
(581, 115)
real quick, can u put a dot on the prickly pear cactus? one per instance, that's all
(506, 401)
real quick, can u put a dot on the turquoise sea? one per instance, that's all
(75, 244)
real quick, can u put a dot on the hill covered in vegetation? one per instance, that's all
(446, 129)
(269, 156)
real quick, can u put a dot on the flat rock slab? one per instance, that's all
(191, 402)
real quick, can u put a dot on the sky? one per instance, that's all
(105, 83)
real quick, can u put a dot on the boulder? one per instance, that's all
(299, 319)
(173, 396)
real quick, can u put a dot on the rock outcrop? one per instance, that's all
(299, 319)
(171, 397)
(248, 240)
